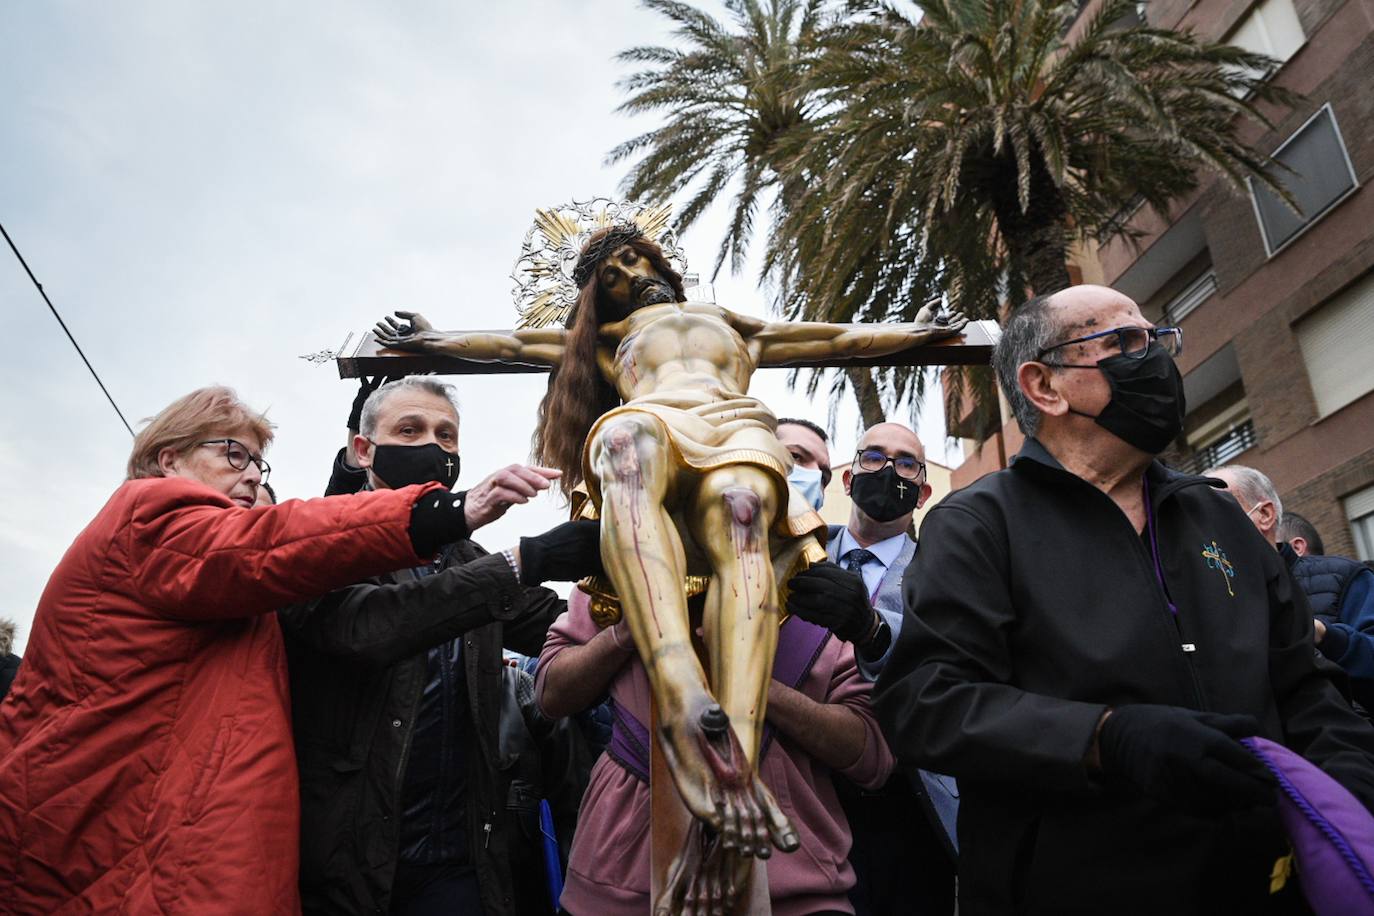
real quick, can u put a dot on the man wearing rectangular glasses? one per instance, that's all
(903, 855)
(1087, 633)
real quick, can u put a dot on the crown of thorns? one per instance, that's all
(601, 249)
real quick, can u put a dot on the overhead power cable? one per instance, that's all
(79, 351)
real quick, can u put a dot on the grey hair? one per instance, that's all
(1029, 330)
(367, 424)
(1254, 486)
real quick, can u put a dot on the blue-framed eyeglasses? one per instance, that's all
(1134, 342)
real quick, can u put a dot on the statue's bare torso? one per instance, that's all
(684, 346)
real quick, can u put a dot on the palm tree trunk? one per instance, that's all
(1037, 237)
(1046, 259)
(866, 393)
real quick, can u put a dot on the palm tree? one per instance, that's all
(733, 99)
(959, 149)
(977, 132)
(737, 106)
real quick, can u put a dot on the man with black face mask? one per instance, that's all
(1087, 636)
(403, 740)
(903, 852)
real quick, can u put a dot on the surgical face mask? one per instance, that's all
(808, 484)
(402, 465)
(882, 495)
(1147, 404)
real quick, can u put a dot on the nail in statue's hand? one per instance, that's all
(412, 332)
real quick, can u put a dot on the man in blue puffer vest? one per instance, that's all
(1340, 590)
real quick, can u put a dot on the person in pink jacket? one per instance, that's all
(820, 725)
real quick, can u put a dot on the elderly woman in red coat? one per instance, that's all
(146, 760)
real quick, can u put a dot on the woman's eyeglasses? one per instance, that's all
(239, 457)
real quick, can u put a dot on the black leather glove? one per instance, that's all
(834, 598)
(567, 553)
(365, 388)
(436, 519)
(1184, 757)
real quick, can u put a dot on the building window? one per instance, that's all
(1193, 295)
(1336, 342)
(1271, 29)
(1359, 508)
(1322, 177)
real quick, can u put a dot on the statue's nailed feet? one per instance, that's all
(720, 787)
(705, 879)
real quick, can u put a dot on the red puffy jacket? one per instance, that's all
(146, 760)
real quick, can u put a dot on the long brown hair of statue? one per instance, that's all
(578, 393)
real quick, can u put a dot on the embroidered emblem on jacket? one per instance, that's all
(1216, 559)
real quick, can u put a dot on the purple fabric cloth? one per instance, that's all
(799, 645)
(629, 745)
(1332, 833)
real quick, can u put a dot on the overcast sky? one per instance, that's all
(209, 190)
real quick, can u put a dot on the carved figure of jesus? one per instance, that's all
(648, 404)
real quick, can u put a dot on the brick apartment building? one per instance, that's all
(1277, 309)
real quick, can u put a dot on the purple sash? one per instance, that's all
(799, 645)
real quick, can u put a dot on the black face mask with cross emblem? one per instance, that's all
(402, 465)
(883, 495)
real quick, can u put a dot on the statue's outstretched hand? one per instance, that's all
(413, 332)
(934, 316)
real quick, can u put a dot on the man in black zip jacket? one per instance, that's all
(1086, 635)
(414, 795)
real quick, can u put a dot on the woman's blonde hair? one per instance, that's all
(189, 421)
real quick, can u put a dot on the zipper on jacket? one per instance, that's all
(1187, 647)
(486, 835)
(410, 731)
(1189, 652)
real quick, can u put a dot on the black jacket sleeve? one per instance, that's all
(537, 609)
(344, 479)
(945, 700)
(382, 624)
(1317, 722)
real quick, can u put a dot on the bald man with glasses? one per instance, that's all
(1088, 634)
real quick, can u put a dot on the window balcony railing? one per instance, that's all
(1216, 453)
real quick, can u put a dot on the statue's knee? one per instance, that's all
(621, 451)
(743, 504)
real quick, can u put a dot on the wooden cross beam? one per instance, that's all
(972, 348)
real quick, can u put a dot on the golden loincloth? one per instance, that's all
(704, 435)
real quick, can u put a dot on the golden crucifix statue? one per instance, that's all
(648, 407)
